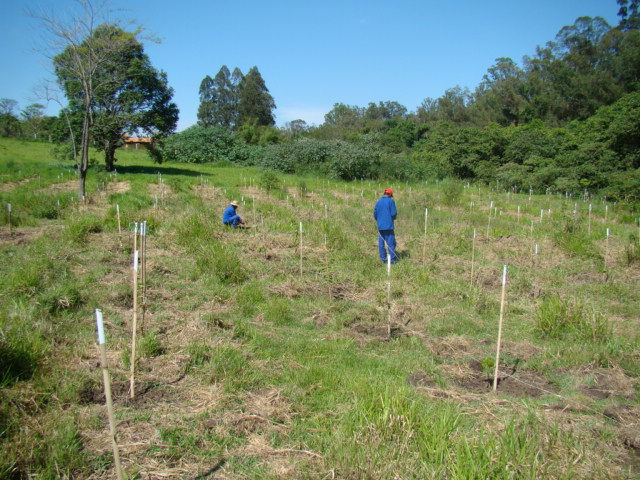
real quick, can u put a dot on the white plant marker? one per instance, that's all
(489, 225)
(118, 215)
(541, 214)
(326, 211)
(473, 254)
(9, 213)
(531, 226)
(518, 213)
(589, 227)
(134, 327)
(606, 212)
(502, 298)
(107, 391)
(301, 249)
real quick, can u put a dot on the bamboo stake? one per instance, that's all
(134, 327)
(301, 249)
(389, 292)
(504, 283)
(143, 272)
(107, 392)
(118, 215)
(424, 238)
(473, 254)
(606, 247)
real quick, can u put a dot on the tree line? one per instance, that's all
(567, 119)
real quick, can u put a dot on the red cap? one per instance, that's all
(388, 191)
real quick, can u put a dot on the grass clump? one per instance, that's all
(560, 318)
(79, 228)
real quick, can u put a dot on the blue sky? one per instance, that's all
(314, 54)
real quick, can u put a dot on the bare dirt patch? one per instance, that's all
(19, 236)
(604, 383)
(8, 186)
(518, 383)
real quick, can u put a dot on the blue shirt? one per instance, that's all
(229, 214)
(385, 213)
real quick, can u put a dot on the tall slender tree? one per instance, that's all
(255, 104)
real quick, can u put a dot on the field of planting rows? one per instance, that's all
(289, 350)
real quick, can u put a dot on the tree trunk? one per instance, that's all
(109, 156)
(83, 165)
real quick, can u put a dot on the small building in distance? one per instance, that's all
(137, 142)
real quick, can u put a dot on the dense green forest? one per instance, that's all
(567, 120)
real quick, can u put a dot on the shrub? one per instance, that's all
(199, 144)
(451, 191)
(269, 180)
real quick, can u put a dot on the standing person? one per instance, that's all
(230, 217)
(385, 213)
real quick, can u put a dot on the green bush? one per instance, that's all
(269, 180)
(451, 191)
(199, 144)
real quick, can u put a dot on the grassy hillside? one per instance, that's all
(251, 368)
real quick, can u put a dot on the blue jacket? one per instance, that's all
(229, 215)
(385, 213)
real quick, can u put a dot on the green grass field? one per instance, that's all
(247, 368)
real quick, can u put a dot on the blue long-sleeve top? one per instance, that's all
(385, 213)
(229, 215)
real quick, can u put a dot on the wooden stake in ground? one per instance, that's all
(473, 254)
(300, 248)
(606, 247)
(389, 293)
(143, 270)
(424, 238)
(118, 215)
(134, 327)
(107, 392)
(504, 288)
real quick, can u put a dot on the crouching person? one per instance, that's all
(230, 217)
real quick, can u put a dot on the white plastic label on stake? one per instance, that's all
(100, 326)
(135, 261)
(474, 233)
(504, 275)
(135, 228)
(389, 264)
(117, 209)
(608, 231)
(589, 208)
(300, 227)
(9, 207)
(536, 248)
